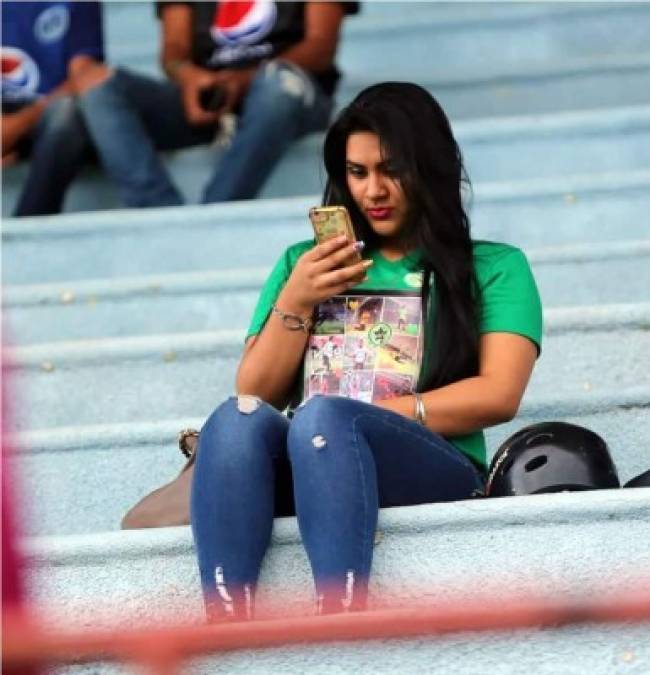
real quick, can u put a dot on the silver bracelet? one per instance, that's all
(420, 410)
(293, 321)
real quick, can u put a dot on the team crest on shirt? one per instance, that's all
(413, 279)
(52, 24)
(20, 75)
(380, 334)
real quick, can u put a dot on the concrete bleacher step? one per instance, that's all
(199, 301)
(67, 470)
(590, 648)
(135, 378)
(556, 544)
(569, 650)
(455, 35)
(518, 88)
(544, 145)
(450, 33)
(566, 56)
(541, 146)
(542, 57)
(495, 149)
(533, 213)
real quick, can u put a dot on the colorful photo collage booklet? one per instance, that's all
(365, 346)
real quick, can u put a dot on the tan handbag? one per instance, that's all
(168, 505)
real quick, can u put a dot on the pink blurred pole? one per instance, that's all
(13, 582)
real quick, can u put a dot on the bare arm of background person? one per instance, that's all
(175, 59)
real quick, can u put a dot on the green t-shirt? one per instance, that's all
(510, 299)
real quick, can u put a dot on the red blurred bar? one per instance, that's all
(161, 649)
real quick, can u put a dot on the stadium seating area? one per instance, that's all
(127, 325)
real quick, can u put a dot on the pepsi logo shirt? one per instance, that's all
(236, 34)
(38, 41)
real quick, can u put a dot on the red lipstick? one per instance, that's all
(383, 213)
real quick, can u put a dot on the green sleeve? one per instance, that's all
(510, 299)
(274, 284)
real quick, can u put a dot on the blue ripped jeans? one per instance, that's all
(345, 458)
(131, 117)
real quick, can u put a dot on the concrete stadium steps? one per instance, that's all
(543, 58)
(590, 648)
(200, 301)
(436, 553)
(512, 148)
(519, 88)
(452, 33)
(127, 243)
(495, 149)
(568, 650)
(166, 376)
(456, 35)
(66, 470)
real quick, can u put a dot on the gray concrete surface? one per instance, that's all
(599, 208)
(200, 301)
(145, 378)
(427, 553)
(66, 470)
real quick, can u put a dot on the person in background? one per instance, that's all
(47, 50)
(270, 64)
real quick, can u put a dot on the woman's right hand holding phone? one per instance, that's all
(328, 269)
(272, 358)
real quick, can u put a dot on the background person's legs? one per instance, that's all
(59, 147)
(349, 458)
(282, 104)
(241, 460)
(131, 117)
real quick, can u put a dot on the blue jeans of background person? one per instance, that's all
(131, 117)
(346, 460)
(57, 149)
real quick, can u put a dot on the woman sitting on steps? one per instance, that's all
(392, 160)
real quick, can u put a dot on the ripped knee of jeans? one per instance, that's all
(247, 405)
(292, 81)
(319, 441)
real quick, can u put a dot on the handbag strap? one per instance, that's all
(188, 442)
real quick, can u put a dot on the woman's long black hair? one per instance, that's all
(416, 136)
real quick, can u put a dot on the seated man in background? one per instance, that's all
(46, 47)
(271, 64)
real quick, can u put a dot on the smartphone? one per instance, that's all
(332, 221)
(212, 99)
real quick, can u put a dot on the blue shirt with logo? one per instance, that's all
(38, 41)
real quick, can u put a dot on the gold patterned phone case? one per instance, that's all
(331, 221)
